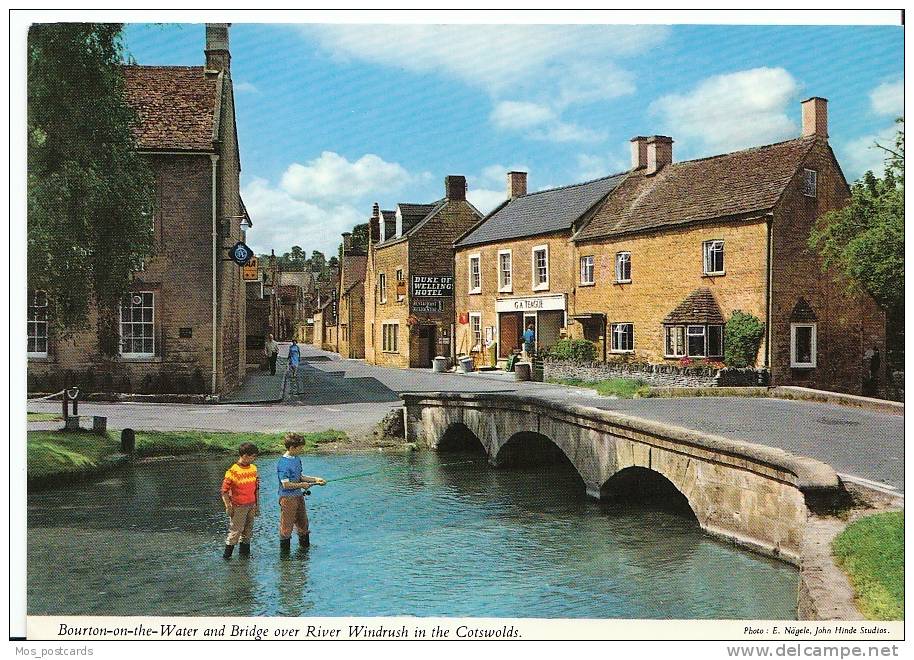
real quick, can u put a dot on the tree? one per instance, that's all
(90, 194)
(865, 239)
(743, 334)
(318, 262)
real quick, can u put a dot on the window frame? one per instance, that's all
(813, 339)
(505, 286)
(805, 187)
(477, 345)
(382, 288)
(682, 337)
(623, 257)
(535, 284)
(132, 355)
(398, 275)
(35, 322)
(475, 257)
(708, 328)
(704, 337)
(706, 254)
(390, 344)
(612, 333)
(591, 264)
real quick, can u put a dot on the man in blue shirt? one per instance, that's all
(292, 484)
(529, 340)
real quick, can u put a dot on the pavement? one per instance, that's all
(352, 396)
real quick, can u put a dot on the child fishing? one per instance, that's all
(293, 513)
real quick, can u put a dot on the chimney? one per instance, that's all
(455, 187)
(517, 184)
(347, 243)
(217, 46)
(374, 225)
(639, 152)
(815, 117)
(659, 153)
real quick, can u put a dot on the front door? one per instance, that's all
(509, 334)
(426, 345)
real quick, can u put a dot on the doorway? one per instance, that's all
(427, 343)
(509, 333)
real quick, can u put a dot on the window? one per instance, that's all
(715, 340)
(540, 267)
(587, 269)
(475, 274)
(344, 333)
(623, 337)
(809, 182)
(803, 345)
(714, 257)
(138, 325)
(476, 330)
(389, 336)
(504, 270)
(696, 341)
(382, 287)
(38, 325)
(623, 267)
(675, 341)
(401, 286)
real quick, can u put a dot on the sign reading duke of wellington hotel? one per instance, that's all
(428, 290)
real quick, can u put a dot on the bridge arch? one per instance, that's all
(459, 437)
(646, 486)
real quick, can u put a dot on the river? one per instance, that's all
(425, 535)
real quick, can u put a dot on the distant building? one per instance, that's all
(182, 327)
(351, 316)
(409, 278)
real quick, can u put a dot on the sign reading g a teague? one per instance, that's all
(433, 286)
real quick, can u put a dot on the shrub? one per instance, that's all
(743, 334)
(574, 350)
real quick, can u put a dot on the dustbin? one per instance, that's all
(523, 371)
(465, 364)
(439, 364)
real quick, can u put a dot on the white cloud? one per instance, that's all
(539, 122)
(594, 167)
(888, 99)
(731, 111)
(484, 199)
(859, 155)
(245, 88)
(332, 177)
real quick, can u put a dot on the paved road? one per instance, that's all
(352, 396)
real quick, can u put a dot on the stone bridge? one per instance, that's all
(750, 494)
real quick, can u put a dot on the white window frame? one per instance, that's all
(706, 248)
(474, 287)
(810, 190)
(708, 340)
(681, 329)
(703, 334)
(535, 284)
(588, 267)
(399, 277)
(391, 344)
(476, 337)
(382, 287)
(623, 257)
(121, 322)
(793, 345)
(613, 335)
(505, 285)
(33, 323)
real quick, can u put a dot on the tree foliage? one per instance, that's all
(90, 194)
(743, 336)
(574, 350)
(865, 239)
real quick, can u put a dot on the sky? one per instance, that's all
(334, 117)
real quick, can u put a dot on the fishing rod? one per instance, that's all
(395, 467)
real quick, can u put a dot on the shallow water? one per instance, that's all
(428, 535)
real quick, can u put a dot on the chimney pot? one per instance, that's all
(517, 184)
(217, 47)
(639, 152)
(659, 153)
(815, 117)
(347, 242)
(455, 187)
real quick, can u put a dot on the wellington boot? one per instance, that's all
(244, 549)
(229, 549)
(304, 541)
(285, 546)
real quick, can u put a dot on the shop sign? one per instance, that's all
(531, 304)
(427, 305)
(433, 286)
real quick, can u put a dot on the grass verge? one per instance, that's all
(56, 453)
(871, 551)
(42, 417)
(623, 388)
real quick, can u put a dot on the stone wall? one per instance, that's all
(663, 375)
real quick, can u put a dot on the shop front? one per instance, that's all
(546, 314)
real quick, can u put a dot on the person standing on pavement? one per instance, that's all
(529, 341)
(271, 350)
(294, 357)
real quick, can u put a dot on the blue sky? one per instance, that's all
(334, 117)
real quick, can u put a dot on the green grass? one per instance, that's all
(871, 551)
(624, 388)
(57, 453)
(43, 417)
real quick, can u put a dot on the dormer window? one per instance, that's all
(810, 179)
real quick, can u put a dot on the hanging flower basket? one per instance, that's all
(412, 321)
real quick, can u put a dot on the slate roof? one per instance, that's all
(541, 212)
(414, 213)
(414, 210)
(736, 184)
(699, 307)
(176, 106)
(354, 271)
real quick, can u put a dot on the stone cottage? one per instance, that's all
(351, 316)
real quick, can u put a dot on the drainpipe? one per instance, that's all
(768, 296)
(215, 160)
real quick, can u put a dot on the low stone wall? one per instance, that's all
(660, 375)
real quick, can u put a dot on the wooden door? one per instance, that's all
(509, 334)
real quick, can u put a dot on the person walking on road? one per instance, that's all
(271, 350)
(294, 358)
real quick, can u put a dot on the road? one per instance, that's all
(352, 396)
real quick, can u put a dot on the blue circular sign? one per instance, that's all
(241, 253)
